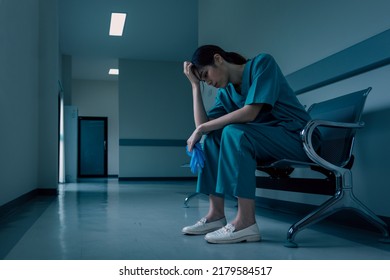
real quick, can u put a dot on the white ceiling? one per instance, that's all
(164, 30)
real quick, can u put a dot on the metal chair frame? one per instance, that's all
(338, 174)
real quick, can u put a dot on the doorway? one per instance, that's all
(92, 147)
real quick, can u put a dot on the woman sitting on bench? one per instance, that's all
(256, 117)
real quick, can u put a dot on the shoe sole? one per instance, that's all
(250, 238)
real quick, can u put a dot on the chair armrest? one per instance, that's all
(307, 133)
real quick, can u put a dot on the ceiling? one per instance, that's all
(162, 30)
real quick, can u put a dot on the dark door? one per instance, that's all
(92, 147)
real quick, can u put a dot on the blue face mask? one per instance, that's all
(197, 158)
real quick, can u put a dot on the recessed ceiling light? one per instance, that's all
(113, 71)
(117, 24)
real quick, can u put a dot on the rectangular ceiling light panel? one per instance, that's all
(117, 24)
(113, 72)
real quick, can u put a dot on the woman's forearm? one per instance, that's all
(243, 115)
(200, 115)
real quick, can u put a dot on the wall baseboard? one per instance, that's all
(17, 202)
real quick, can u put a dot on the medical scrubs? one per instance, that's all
(232, 153)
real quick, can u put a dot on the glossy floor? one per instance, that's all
(143, 220)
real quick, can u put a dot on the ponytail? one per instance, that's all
(235, 58)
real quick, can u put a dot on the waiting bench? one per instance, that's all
(338, 120)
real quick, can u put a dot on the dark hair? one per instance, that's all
(204, 56)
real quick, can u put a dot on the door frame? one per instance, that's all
(105, 120)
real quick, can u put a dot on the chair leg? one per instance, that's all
(329, 207)
(370, 216)
(344, 199)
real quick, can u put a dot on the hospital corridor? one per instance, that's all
(114, 113)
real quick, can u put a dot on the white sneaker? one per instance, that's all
(203, 227)
(228, 234)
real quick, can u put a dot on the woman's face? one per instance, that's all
(215, 75)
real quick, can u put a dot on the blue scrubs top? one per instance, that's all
(263, 83)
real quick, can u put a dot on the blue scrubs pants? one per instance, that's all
(231, 153)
